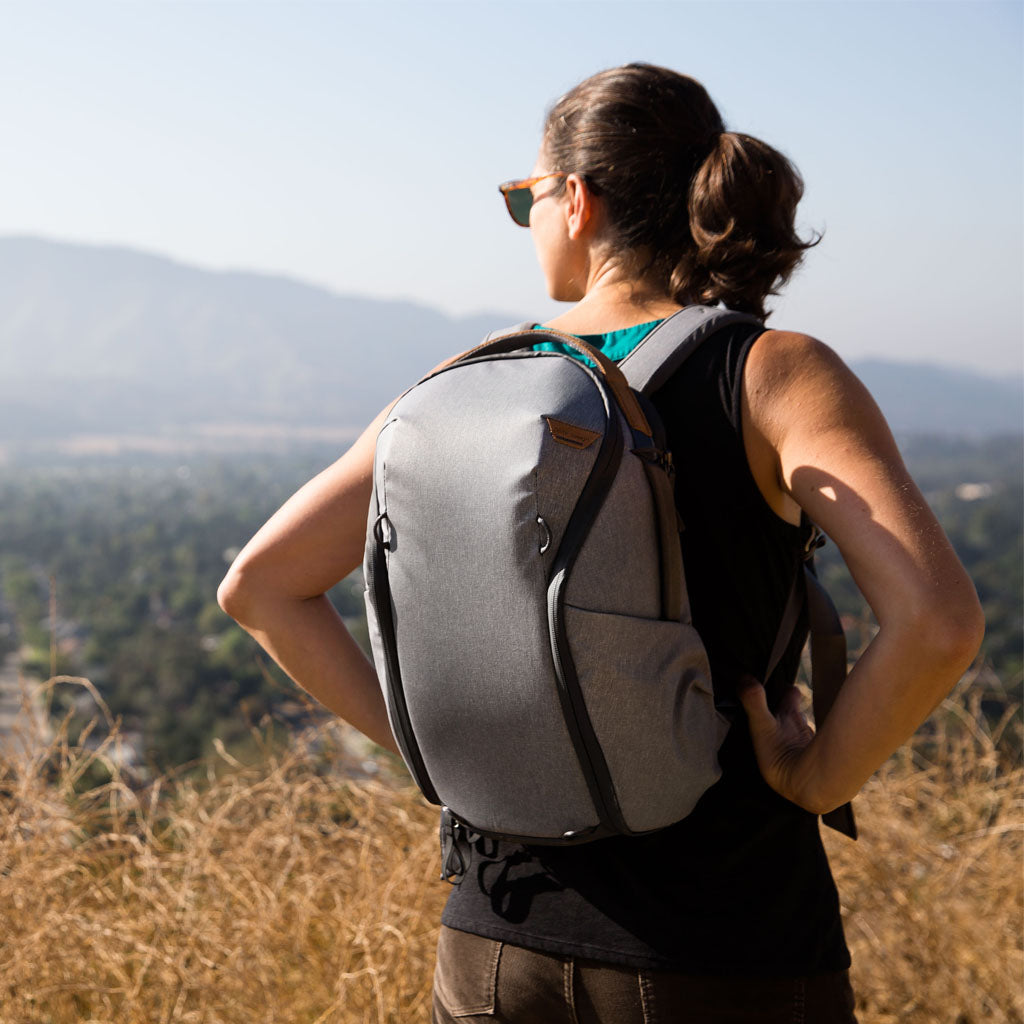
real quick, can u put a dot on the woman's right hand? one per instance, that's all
(779, 739)
(817, 442)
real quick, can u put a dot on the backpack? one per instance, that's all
(526, 602)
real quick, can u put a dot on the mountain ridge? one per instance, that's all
(114, 339)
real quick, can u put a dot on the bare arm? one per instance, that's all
(816, 441)
(275, 589)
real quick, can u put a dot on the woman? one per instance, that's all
(641, 202)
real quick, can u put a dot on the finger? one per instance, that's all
(791, 702)
(755, 703)
(790, 715)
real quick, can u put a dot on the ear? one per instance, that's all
(580, 205)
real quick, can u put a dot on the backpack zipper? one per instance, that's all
(379, 586)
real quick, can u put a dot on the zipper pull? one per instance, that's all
(657, 457)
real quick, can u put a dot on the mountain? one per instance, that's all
(110, 340)
(920, 398)
(103, 339)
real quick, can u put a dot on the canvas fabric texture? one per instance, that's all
(501, 597)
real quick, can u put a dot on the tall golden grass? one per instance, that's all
(287, 890)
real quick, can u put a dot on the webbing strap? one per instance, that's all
(672, 342)
(790, 614)
(828, 660)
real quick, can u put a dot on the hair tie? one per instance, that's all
(711, 143)
(698, 152)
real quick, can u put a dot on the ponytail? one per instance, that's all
(742, 202)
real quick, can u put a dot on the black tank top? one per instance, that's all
(742, 885)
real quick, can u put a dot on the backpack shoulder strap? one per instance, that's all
(671, 343)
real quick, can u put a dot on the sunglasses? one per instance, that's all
(519, 196)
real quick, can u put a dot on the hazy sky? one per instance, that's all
(358, 146)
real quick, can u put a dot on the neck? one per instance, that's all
(611, 303)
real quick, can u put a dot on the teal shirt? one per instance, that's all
(615, 345)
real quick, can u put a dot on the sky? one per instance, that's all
(359, 146)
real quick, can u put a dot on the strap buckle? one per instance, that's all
(657, 457)
(816, 539)
(455, 841)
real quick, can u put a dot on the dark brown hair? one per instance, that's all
(701, 213)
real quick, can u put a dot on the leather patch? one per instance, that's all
(568, 434)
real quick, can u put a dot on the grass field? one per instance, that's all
(279, 892)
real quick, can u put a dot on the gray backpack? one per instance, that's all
(525, 595)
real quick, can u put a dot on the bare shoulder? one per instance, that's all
(794, 381)
(785, 362)
(788, 350)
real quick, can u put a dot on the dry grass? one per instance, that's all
(280, 893)
(932, 891)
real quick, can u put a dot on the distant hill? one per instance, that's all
(921, 398)
(105, 339)
(109, 340)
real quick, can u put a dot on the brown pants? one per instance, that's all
(480, 979)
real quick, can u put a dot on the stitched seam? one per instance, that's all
(799, 1002)
(568, 968)
(493, 982)
(646, 997)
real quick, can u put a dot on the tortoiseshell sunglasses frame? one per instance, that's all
(524, 185)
